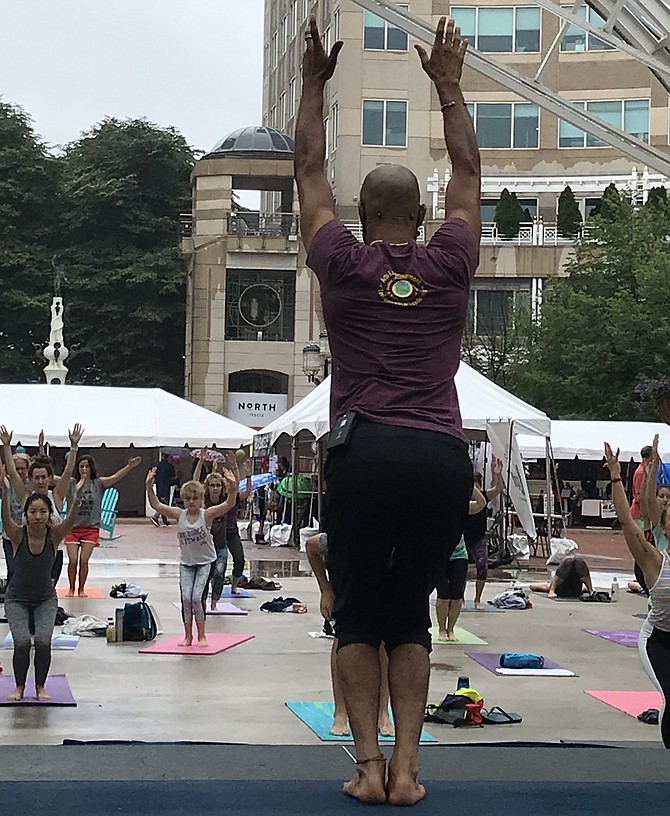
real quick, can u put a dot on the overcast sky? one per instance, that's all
(193, 64)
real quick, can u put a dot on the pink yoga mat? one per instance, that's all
(56, 685)
(222, 608)
(93, 593)
(630, 702)
(216, 642)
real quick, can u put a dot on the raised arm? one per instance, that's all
(60, 491)
(41, 448)
(244, 494)
(498, 484)
(646, 556)
(650, 509)
(217, 510)
(59, 531)
(204, 452)
(14, 479)
(158, 506)
(13, 530)
(133, 462)
(477, 502)
(444, 67)
(317, 205)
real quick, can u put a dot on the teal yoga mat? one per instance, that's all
(318, 717)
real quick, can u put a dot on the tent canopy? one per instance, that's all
(480, 400)
(584, 439)
(115, 417)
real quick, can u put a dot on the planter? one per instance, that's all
(663, 409)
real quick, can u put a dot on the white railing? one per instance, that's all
(536, 233)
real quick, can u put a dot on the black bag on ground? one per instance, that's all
(599, 596)
(138, 622)
(451, 711)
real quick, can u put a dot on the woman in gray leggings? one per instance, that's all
(31, 592)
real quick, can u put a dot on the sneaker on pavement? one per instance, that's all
(154, 521)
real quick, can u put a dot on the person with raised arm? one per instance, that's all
(654, 639)
(395, 311)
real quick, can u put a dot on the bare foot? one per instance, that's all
(478, 604)
(69, 593)
(443, 635)
(212, 607)
(82, 594)
(185, 642)
(386, 727)
(367, 784)
(41, 693)
(17, 694)
(340, 728)
(202, 641)
(452, 637)
(404, 789)
(235, 591)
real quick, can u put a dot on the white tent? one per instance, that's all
(115, 417)
(479, 398)
(584, 439)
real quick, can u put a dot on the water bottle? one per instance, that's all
(615, 590)
(111, 634)
(463, 682)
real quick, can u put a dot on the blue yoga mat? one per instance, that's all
(241, 593)
(318, 716)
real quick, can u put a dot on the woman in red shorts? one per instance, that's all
(85, 535)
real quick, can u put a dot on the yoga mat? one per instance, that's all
(630, 702)
(469, 606)
(222, 608)
(624, 637)
(241, 593)
(321, 634)
(57, 641)
(318, 717)
(93, 593)
(491, 661)
(56, 685)
(464, 637)
(217, 642)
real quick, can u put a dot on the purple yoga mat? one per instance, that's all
(624, 637)
(56, 685)
(491, 661)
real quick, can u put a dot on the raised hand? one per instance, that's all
(655, 458)
(5, 435)
(230, 480)
(612, 461)
(151, 477)
(41, 440)
(445, 64)
(497, 468)
(75, 435)
(247, 467)
(134, 461)
(204, 453)
(317, 66)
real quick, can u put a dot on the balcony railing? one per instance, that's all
(266, 225)
(536, 233)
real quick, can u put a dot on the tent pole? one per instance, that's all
(548, 492)
(319, 482)
(294, 489)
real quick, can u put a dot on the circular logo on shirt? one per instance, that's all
(401, 289)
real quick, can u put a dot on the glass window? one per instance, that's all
(326, 130)
(260, 301)
(569, 135)
(379, 35)
(492, 311)
(496, 29)
(335, 120)
(396, 38)
(636, 118)
(526, 125)
(373, 122)
(609, 112)
(494, 124)
(576, 39)
(466, 18)
(396, 124)
(527, 29)
(488, 208)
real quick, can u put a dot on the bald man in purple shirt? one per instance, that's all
(395, 313)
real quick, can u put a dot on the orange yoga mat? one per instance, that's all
(630, 702)
(92, 592)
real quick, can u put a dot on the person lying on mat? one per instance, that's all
(570, 580)
(453, 577)
(654, 639)
(317, 555)
(196, 546)
(31, 597)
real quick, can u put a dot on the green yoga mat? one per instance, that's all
(464, 638)
(318, 717)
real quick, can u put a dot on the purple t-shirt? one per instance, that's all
(395, 317)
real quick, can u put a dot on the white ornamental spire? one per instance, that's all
(56, 351)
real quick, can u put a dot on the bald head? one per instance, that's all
(391, 193)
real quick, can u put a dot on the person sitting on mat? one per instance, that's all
(654, 639)
(30, 598)
(453, 577)
(85, 535)
(196, 546)
(570, 580)
(317, 555)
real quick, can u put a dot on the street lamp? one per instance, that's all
(316, 359)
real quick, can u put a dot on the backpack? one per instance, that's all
(457, 710)
(138, 622)
(521, 660)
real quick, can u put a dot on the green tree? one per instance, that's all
(28, 228)
(509, 214)
(658, 200)
(605, 327)
(124, 185)
(569, 217)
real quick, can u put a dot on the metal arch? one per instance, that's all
(527, 88)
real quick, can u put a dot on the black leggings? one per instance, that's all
(452, 580)
(234, 544)
(387, 534)
(657, 650)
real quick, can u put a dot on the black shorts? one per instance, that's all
(387, 536)
(452, 580)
